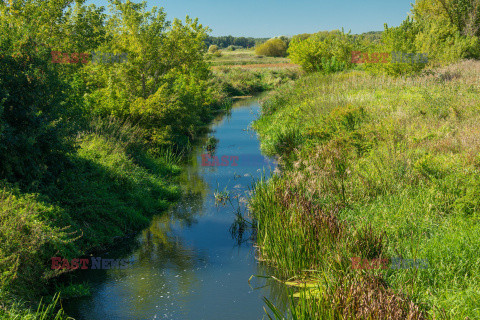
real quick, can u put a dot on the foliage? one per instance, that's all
(213, 48)
(445, 43)
(31, 109)
(275, 47)
(225, 41)
(449, 29)
(87, 150)
(463, 15)
(241, 82)
(309, 52)
(374, 180)
(398, 39)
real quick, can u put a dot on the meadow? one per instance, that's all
(374, 167)
(242, 73)
(242, 57)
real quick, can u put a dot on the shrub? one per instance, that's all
(272, 48)
(398, 39)
(31, 134)
(445, 44)
(213, 48)
(333, 65)
(309, 52)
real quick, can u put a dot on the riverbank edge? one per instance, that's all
(163, 171)
(291, 217)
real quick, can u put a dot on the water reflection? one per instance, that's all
(186, 265)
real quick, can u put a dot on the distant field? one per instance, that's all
(244, 57)
(259, 66)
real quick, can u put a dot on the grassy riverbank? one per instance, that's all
(89, 149)
(108, 189)
(375, 167)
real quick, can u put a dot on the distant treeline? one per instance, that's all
(226, 41)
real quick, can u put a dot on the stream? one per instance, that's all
(187, 264)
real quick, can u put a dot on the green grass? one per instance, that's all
(15, 310)
(243, 57)
(109, 189)
(375, 167)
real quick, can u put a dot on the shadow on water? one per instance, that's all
(186, 264)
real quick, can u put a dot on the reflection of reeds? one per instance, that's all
(242, 224)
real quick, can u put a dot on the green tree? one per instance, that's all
(448, 29)
(32, 114)
(84, 28)
(464, 15)
(140, 34)
(41, 21)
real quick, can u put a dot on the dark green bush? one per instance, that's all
(32, 114)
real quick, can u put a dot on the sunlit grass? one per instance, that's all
(376, 167)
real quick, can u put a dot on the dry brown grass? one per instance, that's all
(370, 298)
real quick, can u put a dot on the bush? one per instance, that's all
(213, 48)
(272, 48)
(31, 134)
(333, 65)
(398, 39)
(445, 44)
(312, 53)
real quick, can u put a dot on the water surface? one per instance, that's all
(187, 265)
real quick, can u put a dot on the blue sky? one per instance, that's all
(269, 18)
